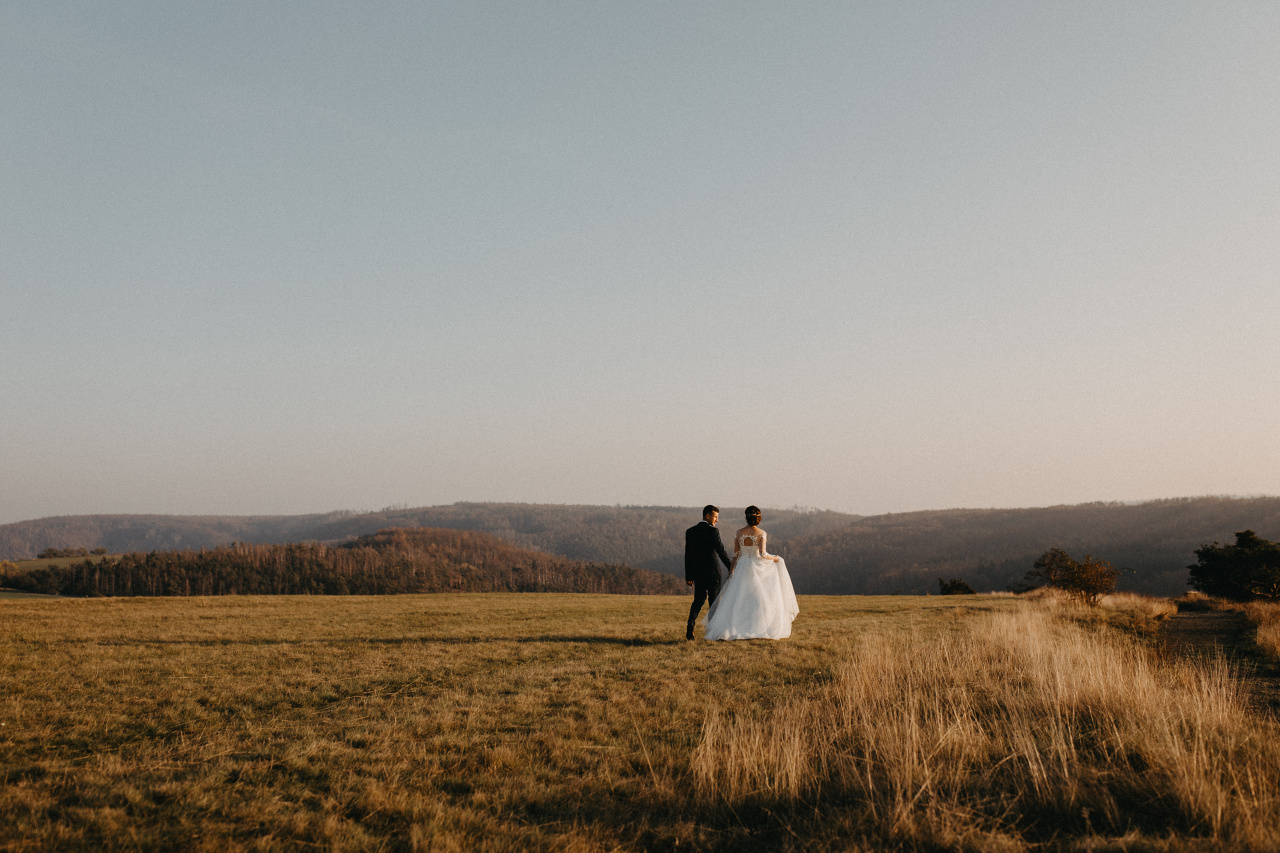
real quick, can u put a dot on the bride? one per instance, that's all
(757, 600)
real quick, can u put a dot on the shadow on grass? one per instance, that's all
(402, 641)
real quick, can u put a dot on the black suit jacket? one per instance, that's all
(702, 546)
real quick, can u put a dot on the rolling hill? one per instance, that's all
(827, 552)
(641, 536)
(390, 561)
(1151, 542)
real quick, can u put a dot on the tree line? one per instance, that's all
(54, 553)
(387, 562)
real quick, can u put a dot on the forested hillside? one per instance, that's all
(390, 561)
(123, 533)
(827, 552)
(907, 552)
(651, 537)
(648, 537)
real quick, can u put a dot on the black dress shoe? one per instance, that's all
(688, 635)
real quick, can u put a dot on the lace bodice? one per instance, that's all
(751, 544)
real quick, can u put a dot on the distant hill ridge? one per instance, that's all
(827, 552)
(643, 536)
(1153, 542)
(390, 561)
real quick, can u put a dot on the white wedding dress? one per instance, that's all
(757, 601)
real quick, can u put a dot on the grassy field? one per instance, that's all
(578, 722)
(46, 562)
(14, 593)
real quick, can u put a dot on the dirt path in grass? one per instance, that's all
(1205, 633)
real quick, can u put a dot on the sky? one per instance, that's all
(270, 258)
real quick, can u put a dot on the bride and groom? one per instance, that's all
(756, 601)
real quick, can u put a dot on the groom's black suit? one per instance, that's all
(702, 546)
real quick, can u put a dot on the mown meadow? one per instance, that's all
(508, 722)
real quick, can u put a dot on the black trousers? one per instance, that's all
(703, 591)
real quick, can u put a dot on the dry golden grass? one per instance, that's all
(1138, 614)
(576, 722)
(1024, 727)
(1153, 608)
(1266, 616)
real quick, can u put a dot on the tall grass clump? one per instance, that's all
(1148, 606)
(1266, 616)
(1017, 728)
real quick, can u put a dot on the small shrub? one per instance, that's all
(1086, 581)
(51, 553)
(955, 586)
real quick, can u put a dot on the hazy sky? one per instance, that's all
(290, 257)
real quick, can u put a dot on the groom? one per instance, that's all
(702, 546)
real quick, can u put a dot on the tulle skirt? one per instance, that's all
(756, 602)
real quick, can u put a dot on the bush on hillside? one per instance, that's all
(955, 586)
(50, 553)
(1247, 570)
(1087, 581)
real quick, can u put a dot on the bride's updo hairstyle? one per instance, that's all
(753, 515)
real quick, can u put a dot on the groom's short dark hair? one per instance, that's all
(708, 509)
